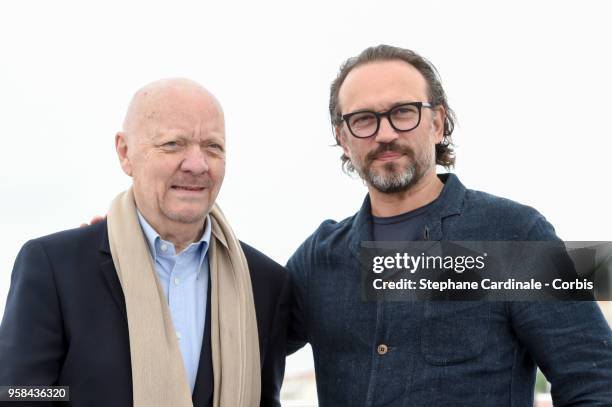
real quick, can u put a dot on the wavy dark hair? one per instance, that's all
(445, 153)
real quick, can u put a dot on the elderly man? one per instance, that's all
(393, 122)
(160, 305)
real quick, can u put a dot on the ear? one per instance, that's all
(121, 146)
(341, 139)
(438, 124)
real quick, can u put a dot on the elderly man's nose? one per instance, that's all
(195, 161)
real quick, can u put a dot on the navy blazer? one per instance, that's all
(65, 322)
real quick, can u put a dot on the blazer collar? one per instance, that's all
(107, 268)
(104, 244)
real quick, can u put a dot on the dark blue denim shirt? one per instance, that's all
(440, 353)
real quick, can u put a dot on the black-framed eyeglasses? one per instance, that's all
(404, 117)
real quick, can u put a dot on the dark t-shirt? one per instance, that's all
(403, 227)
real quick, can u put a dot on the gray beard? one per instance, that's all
(388, 181)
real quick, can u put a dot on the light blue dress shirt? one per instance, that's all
(184, 279)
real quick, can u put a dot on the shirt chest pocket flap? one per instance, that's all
(454, 331)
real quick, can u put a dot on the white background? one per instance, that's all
(529, 81)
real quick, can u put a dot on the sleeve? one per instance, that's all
(572, 344)
(297, 335)
(273, 368)
(570, 341)
(31, 334)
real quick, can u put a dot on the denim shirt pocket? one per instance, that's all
(454, 331)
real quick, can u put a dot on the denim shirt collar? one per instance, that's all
(449, 203)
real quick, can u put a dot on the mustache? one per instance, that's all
(194, 182)
(389, 147)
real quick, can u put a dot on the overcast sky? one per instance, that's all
(530, 83)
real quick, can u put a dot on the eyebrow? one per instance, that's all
(178, 134)
(394, 104)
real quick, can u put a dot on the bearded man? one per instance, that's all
(392, 119)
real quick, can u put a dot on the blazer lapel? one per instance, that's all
(109, 273)
(203, 389)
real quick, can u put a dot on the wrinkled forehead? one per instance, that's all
(174, 106)
(380, 85)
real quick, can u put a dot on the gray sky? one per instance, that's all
(529, 81)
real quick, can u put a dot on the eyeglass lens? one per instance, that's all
(402, 118)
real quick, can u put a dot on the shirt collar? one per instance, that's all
(155, 242)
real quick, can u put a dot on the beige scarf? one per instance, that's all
(158, 375)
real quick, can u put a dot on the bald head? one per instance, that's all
(173, 147)
(166, 100)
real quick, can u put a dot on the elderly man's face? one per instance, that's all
(390, 161)
(176, 155)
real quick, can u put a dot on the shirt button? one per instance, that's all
(177, 281)
(164, 247)
(178, 335)
(382, 349)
